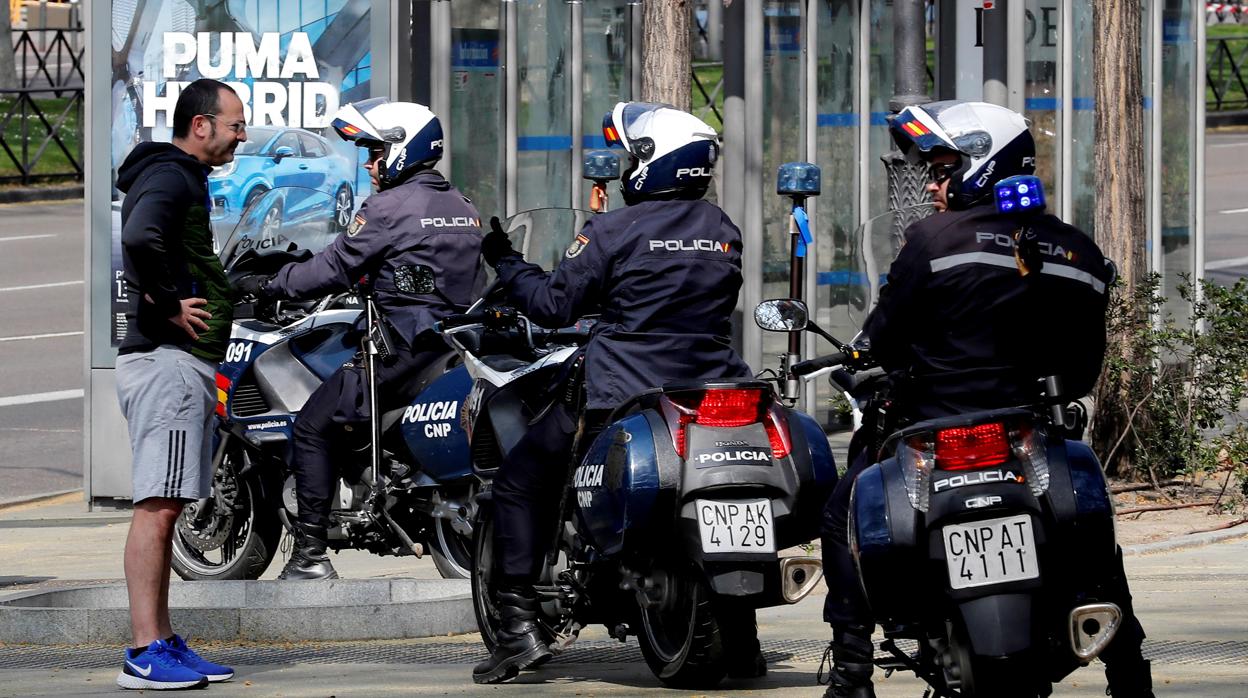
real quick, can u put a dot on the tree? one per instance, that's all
(8, 64)
(1120, 185)
(665, 52)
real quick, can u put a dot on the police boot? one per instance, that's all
(851, 653)
(1129, 679)
(309, 560)
(520, 645)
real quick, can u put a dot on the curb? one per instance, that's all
(1195, 540)
(26, 195)
(273, 611)
(13, 502)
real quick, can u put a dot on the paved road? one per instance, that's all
(41, 347)
(40, 444)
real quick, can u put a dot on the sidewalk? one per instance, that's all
(1193, 603)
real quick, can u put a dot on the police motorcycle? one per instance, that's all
(673, 519)
(985, 541)
(413, 493)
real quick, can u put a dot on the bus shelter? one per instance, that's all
(521, 86)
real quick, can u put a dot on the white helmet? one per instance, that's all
(673, 152)
(410, 133)
(992, 143)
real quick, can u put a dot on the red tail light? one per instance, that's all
(968, 448)
(731, 407)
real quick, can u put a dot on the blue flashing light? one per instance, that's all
(1020, 194)
(798, 179)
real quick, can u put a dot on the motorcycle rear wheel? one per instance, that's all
(681, 639)
(247, 526)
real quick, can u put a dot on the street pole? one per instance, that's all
(906, 181)
(996, 54)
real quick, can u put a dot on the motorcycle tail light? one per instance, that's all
(1028, 444)
(223, 394)
(726, 408)
(973, 447)
(917, 458)
(778, 434)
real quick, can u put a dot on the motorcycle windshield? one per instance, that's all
(545, 236)
(875, 245)
(285, 219)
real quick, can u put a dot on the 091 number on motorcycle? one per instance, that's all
(736, 526)
(991, 551)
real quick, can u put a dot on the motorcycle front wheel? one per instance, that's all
(681, 635)
(237, 539)
(451, 551)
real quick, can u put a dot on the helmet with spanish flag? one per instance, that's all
(408, 135)
(991, 142)
(671, 152)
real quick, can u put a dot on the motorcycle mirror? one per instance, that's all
(781, 315)
(600, 166)
(416, 279)
(283, 152)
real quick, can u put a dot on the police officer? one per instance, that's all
(416, 220)
(953, 323)
(663, 273)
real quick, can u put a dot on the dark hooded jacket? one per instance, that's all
(167, 251)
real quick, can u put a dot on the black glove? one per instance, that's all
(254, 287)
(496, 244)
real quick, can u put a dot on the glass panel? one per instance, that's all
(782, 78)
(476, 103)
(1177, 114)
(544, 114)
(1083, 122)
(605, 64)
(1042, 103)
(839, 280)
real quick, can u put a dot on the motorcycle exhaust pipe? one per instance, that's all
(798, 577)
(1092, 627)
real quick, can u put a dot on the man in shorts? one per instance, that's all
(177, 328)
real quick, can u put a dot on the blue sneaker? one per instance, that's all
(157, 667)
(191, 660)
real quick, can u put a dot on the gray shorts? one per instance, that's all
(167, 397)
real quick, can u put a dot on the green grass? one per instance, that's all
(709, 76)
(53, 160)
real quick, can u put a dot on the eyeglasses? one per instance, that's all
(236, 127)
(940, 172)
(376, 153)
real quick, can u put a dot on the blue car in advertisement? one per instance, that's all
(275, 157)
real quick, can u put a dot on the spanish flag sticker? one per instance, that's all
(916, 129)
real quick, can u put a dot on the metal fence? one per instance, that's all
(41, 120)
(1226, 65)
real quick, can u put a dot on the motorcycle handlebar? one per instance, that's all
(480, 317)
(803, 368)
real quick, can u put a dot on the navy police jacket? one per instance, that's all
(972, 330)
(664, 275)
(423, 221)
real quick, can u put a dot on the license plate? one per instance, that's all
(736, 527)
(991, 551)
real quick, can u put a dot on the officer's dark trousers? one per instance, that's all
(334, 422)
(846, 606)
(528, 487)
